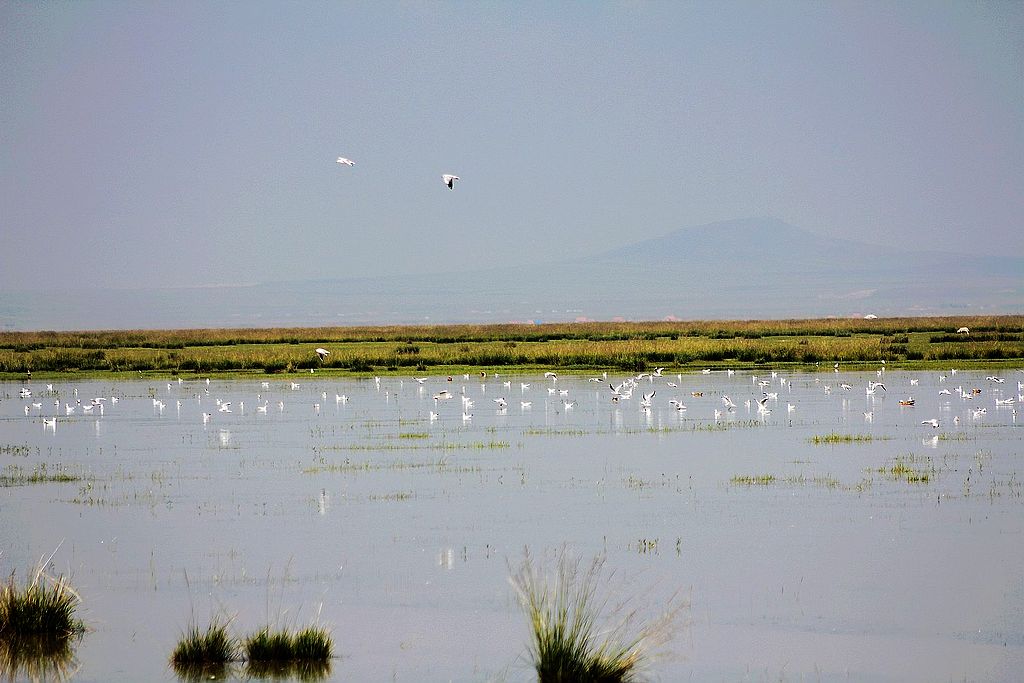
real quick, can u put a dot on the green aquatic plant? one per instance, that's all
(212, 646)
(835, 437)
(572, 639)
(43, 607)
(40, 474)
(750, 480)
(305, 654)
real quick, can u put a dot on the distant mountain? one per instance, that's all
(748, 268)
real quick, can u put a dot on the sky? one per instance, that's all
(170, 144)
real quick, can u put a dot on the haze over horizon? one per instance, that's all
(167, 144)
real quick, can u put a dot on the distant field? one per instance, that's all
(904, 342)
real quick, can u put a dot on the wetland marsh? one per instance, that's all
(840, 539)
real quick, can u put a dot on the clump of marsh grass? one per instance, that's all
(38, 624)
(306, 654)
(43, 608)
(212, 646)
(572, 639)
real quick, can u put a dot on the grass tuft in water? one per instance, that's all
(38, 610)
(311, 644)
(199, 648)
(571, 640)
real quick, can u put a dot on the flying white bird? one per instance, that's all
(449, 180)
(323, 353)
(346, 162)
(933, 422)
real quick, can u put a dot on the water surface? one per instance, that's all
(890, 552)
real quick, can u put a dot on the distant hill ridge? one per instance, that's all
(751, 268)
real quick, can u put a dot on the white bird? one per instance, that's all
(645, 402)
(340, 398)
(449, 180)
(997, 380)
(727, 402)
(466, 416)
(420, 380)
(945, 392)
(550, 374)
(323, 353)
(206, 417)
(433, 416)
(525, 404)
(933, 422)
(51, 423)
(501, 403)
(346, 162)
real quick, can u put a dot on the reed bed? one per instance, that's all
(624, 346)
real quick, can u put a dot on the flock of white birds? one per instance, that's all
(447, 178)
(766, 393)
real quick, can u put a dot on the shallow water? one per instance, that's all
(398, 531)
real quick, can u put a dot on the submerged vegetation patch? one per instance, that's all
(370, 466)
(835, 437)
(911, 469)
(755, 479)
(14, 475)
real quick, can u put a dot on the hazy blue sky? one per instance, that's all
(176, 143)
